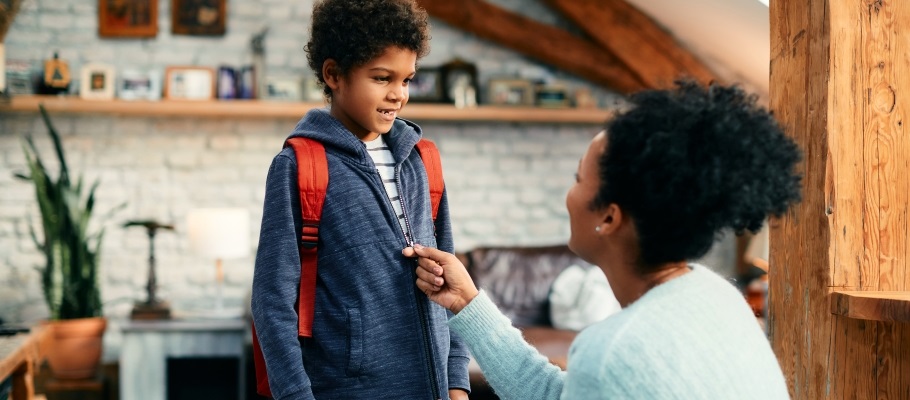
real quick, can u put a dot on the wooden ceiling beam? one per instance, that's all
(633, 37)
(543, 42)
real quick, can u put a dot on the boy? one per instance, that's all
(374, 334)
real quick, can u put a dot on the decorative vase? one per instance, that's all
(76, 347)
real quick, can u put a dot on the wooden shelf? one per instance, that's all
(875, 306)
(292, 110)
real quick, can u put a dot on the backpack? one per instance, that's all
(312, 181)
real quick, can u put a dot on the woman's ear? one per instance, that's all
(331, 74)
(611, 219)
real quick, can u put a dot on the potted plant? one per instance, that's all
(70, 274)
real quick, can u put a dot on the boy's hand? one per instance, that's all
(442, 277)
(458, 394)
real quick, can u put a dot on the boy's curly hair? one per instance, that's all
(352, 32)
(689, 162)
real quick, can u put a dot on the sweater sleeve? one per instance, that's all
(514, 369)
(275, 284)
(459, 356)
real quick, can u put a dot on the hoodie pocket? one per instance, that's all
(337, 345)
(355, 342)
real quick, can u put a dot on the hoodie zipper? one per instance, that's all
(421, 307)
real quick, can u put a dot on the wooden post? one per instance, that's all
(840, 83)
(647, 49)
(546, 43)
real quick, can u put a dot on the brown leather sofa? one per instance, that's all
(518, 280)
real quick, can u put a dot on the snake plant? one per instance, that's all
(70, 274)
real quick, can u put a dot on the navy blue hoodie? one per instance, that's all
(375, 335)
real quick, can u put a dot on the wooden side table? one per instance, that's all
(19, 357)
(75, 389)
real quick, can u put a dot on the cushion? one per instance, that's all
(580, 297)
(518, 279)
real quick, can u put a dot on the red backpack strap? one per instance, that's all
(312, 182)
(430, 155)
(312, 179)
(262, 377)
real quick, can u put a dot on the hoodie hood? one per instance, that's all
(319, 124)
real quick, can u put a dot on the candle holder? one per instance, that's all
(152, 307)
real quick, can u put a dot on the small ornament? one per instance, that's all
(56, 75)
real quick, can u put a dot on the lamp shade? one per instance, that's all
(220, 233)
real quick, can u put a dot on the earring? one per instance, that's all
(597, 228)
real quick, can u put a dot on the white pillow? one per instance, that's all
(580, 297)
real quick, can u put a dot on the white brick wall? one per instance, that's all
(506, 182)
(162, 167)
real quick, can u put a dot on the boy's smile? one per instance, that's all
(369, 97)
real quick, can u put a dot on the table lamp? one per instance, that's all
(219, 233)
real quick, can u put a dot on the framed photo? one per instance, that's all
(139, 85)
(584, 98)
(552, 96)
(246, 82)
(426, 87)
(19, 79)
(198, 17)
(227, 83)
(284, 89)
(96, 82)
(189, 83)
(511, 92)
(459, 83)
(127, 18)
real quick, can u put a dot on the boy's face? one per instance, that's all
(369, 98)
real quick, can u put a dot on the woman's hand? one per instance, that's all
(442, 277)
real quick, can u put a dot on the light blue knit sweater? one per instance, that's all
(693, 337)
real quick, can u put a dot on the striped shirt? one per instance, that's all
(385, 164)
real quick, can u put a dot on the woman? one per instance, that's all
(651, 192)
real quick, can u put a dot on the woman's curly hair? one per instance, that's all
(689, 162)
(353, 32)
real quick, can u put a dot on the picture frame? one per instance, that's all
(584, 98)
(552, 95)
(459, 83)
(510, 92)
(227, 83)
(246, 82)
(198, 17)
(19, 79)
(426, 86)
(97, 81)
(284, 89)
(139, 85)
(127, 18)
(189, 83)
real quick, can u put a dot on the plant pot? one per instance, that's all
(75, 350)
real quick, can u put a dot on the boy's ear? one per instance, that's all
(331, 74)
